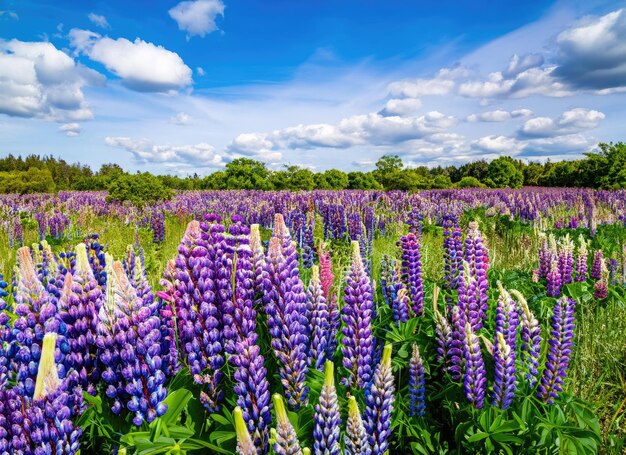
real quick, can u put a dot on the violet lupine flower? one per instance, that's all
(320, 324)
(58, 223)
(285, 305)
(468, 299)
(394, 292)
(581, 260)
(157, 223)
(444, 336)
(199, 327)
(379, 398)
(327, 417)
(355, 438)
(553, 287)
(35, 316)
(245, 446)
(600, 290)
(474, 375)
(168, 319)
(5, 333)
(258, 259)
(42, 424)
(334, 318)
(530, 335)
(251, 386)
(504, 382)
(566, 260)
(18, 231)
(79, 305)
(42, 224)
(452, 251)
(612, 271)
(417, 384)
(545, 258)
(286, 439)
(455, 345)
(596, 267)
(412, 271)
(559, 351)
(96, 253)
(356, 314)
(308, 242)
(477, 256)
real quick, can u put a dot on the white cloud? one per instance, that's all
(181, 118)
(572, 121)
(401, 107)
(498, 144)
(592, 54)
(442, 84)
(566, 144)
(145, 152)
(519, 64)
(9, 15)
(521, 113)
(490, 116)
(98, 20)
(143, 66)
(200, 71)
(39, 80)
(197, 17)
(70, 129)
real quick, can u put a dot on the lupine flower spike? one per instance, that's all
(379, 398)
(286, 439)
(320, 324)
(327, 417)
(416, 384)
(355, 439)
(358, 341)
(560, 350)
(245, 446)
(474, 376)
(530, 335)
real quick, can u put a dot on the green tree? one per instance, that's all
(139, 189)
(358, 180)
(247, 174)
(469, 182)
(336, 179)
(503, 173)
(34, 180)
(532, 174)
(387, 171)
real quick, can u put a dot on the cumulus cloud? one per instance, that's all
(142, 66)
(563, 145)
(498, 144)
(146, 152)
(70, 129)
(39, 80)
(592, 54)
(9, 15)
(442, 84)
(197, 17)
(519, 64)
(401, 107)
(490, 116)
(181, 118)
(367, 129)
(572, 121)
(98, 20)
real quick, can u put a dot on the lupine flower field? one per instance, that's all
(324, 322)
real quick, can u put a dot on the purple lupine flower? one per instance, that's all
(477, 256)
(168, 319)
(566, 260)
(417, 384)
(612, 271)
(157, 223)
(18, 231)
(245, 446)
(452, 250)
(286, 439)
(455, 345)
(504, 384)
(596, 267)
(530, 335)
(42, 224)
(199, 325)
(327, 417)
(559, 351)
(600, 290)
(355, 438)
(443, 333)
(308, 242)
(379, 398)
(5, 333)
(258, 259)
(79, 305)
(285, 305)
(412, 271)
(553, 287)
(545, 258)
(394, 291)
(35, 316)
(468, 299)
(252, 387)
(320, 324)
(581, 260)
(474, 375)
(358, 341)
(327, 279)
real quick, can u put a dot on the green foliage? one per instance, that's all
(139, 189)
(503, 173)
(469, 182)
(33, 180)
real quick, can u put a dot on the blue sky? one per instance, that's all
(184, 87)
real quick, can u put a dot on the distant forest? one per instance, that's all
(605, 169)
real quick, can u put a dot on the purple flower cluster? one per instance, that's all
(394, 291)
(474, 374)
(356, 437)
(530, 335)
(379, 398)
(452, 251)
(476, 255)
(286, 438)
(358, 340)
(417, 384)
(327, 416)
(412, 272)
(285, 305)
(559, 351)
(505, 347)
(157, 223)
(321, 332)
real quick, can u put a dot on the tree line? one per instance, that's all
(605, 168)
